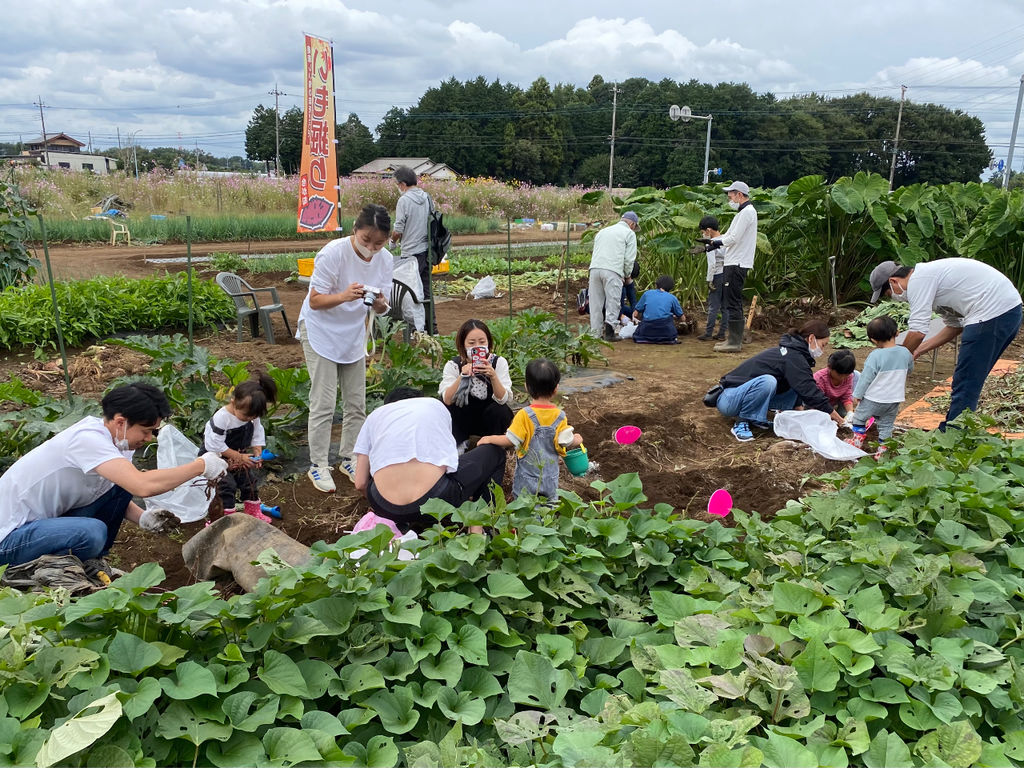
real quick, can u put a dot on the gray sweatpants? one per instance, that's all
(324, 377)
(605, 300)
(884, 413)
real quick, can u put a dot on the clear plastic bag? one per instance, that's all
(188, 502)
(817, 430)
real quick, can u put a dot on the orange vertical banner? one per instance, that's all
(318, 176)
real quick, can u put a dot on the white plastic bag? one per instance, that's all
(188, 502)
(485, 289)
(817, 430)
(407, 271)
(627, 330)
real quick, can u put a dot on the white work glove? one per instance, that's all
(215, 465)
(158, 520)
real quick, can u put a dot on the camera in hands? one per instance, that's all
(370, 294)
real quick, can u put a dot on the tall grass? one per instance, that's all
(60, 194)
(216, 229)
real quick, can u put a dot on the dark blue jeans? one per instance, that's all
(752, 400)
(981, 344)
(85, 532)
(628, 299)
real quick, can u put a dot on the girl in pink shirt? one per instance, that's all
(836, 381)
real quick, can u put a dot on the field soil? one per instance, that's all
(686, 451)
(72, 262)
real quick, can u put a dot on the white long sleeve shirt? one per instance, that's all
(615, 249)
(741, 239)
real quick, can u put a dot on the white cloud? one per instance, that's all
(199, 67)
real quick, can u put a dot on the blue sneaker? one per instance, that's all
(741, 431)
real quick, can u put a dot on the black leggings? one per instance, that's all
(477, 469)
(480, 418)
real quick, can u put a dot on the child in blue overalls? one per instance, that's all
(539, 433)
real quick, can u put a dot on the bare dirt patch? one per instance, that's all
(686, 451)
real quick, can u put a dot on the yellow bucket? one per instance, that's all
(305, 267)
(442, 268)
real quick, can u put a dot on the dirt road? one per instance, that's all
(72, 262)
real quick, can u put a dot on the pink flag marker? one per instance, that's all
(720, 503)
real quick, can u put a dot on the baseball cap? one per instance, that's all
(880, 278)
(631, 216)
(738, 186)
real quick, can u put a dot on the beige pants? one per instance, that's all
(324, 377)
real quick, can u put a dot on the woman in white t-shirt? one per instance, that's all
(351, 276)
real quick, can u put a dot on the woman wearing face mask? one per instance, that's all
(332, 329)
(476, 386)
(776, 379)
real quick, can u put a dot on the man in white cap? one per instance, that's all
(741, 242)
(974, 300)
(611, 261)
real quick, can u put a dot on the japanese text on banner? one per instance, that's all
(318, 175)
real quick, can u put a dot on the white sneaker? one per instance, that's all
(348, 468)
(322, 480)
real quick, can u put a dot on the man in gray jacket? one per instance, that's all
(412, 215)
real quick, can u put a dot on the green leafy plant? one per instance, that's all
(94, 309)
(854, 334)
(17, 265)
(876, 624)
(222, 261)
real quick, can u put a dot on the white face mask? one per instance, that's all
(901, 296)
(734, 205)
(121, 443)
(362, 250)
(816, 350)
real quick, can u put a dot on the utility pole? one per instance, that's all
(1013, 136)
(611, 155)
(896, 142)
(121, 151)
(277, 129)
(90, 142)
(42, 121)
(197, 154)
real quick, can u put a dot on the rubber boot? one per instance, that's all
(735, 341)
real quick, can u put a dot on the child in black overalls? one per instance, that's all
(236, 434)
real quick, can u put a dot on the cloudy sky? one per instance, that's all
(184, 72)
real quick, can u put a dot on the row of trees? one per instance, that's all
(560, 134)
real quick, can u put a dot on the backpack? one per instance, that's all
(439, 238)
